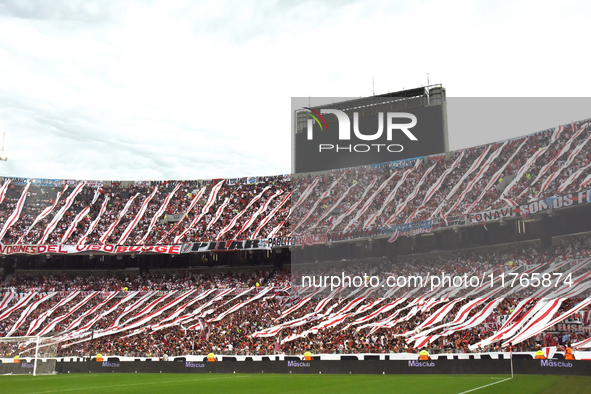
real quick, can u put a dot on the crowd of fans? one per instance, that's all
(233, 334)
(238, 196)
(391, 194)
(440, 188)
(522, 254)
(177, 281)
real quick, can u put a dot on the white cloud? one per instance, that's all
(161, 90)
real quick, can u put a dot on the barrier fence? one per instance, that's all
(296, 365)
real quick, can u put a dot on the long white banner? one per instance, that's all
(72, 249)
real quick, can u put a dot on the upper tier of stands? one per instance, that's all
(439, 188)
(135, 214)
(445, 187)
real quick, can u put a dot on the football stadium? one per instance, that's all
(470, 264)
(153, 238)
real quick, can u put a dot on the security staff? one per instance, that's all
(99, 357)
(211, 357)
(307, 356)
(540, 354)
(424, 355)
(568, 352)
(17, 359)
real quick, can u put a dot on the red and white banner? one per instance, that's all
(382, 310)
(394, 236)
(439, 182)
(240, 214)
(299, 304)
(36, 324)
(113, 225)
(137, 218)
(584, 344)
(186, 214)
(269, 332)
(130, 308)
(72, 249)
(91, 311)
(538, 321)
(330, 322)
(586, 181)
(8, 296)
(412, 195)
(305, 194)
(131, 295)
(174, 315)
(389, 198)
(28, 311)
(94, 223)
(478, 317)
(22, 302)
(3, 190)
(475, 164)
(97, 193)
(439, 314)
(567, 163)
(556, 133)
(218, 213)
(562, 151)
(74, 223)
(240, 305)
(574, 176)
(210, 201)
(354, 206)
(13, 218)
(261, 209)
(276, 229)
(493, 179)
(146, 317)
(318, 201)
(368, 202)
(336, 204)
(270, 215)
(159, 213)
(145, 313)
(522, 171)
(42, 215)
(58, 216)
(484, 168)
(59, 319)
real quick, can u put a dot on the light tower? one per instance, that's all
(2, 157)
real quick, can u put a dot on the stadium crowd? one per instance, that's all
(439, 188)
(228, 319)
(234, 333)
(193, 312)
(135, 213)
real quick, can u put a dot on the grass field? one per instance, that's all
(218, 383)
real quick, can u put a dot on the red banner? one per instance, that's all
(72, 249)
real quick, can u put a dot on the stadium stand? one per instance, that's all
(263, 309)
(126, 212)
(443, 187)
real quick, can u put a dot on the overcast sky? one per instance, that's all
(202, 89)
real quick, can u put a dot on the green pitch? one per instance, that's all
(219, 383)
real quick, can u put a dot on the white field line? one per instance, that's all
(486, 385)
